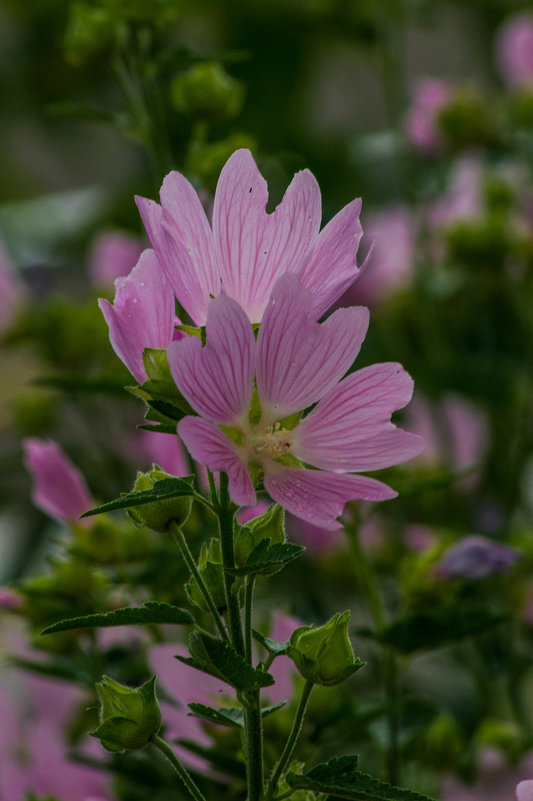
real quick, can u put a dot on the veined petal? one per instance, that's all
(182, 238)
(254, 248)
(142, 315)
(300, 360)
(318, 496)
(217, 379)
(58, 487)
(332, 266)
(350, 428)
(210, 446)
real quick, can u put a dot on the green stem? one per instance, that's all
(248, 609)
(178, 767)
(368, 583)
(177, 533)
(293, 737)
(253, 724)
(226, 519)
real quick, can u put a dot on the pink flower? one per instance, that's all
(113, 254)
(164, 450)
(59, 489)
(296, 362)
(514, 50)
(524, 790)
(476, 557)
(143, 314)
(245, 250)
(429, 98)
(393, 261)
(462, 201)
(496, 781)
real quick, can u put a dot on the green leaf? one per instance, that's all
(161, 428)
(214, 656)
(78, 383)
(227, 717)
(166, 488)
(435, 628)
(151, 612)
(272, 646)
(341, 778)
(266, 558)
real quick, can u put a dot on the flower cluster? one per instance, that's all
(249, 388)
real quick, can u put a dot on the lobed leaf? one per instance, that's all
(267, 558)
(227, 717)
(217, 658)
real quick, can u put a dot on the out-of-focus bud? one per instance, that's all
(466, 120)
(159, 514)
(212, 572)
(269, 525)
(504, 735)
(58, 487)
(443, 742)
(324, 655)
(128, 717)
(90, 32)
(206, 92)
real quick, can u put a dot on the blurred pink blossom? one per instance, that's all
(113, 255)
(462, 200)
(524, 790)
(514, 50)
(59, 488)
(496, 781)
(247, 513)
(392, 263)
(164, 450)
(430, 96)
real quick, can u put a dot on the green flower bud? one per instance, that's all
(128, 717)
(206, 92)
(212, 572)
(159, 514)
(324, 655)
(269, 525)
(466, 121)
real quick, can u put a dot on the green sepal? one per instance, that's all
(341, 778)
(271, 524)
(161, 490)
(217, 658)
(273, 646)
(233, 716)
(190, 330)
(151, 612)
(212, 572)
(324, 655)
(266, 559)
(128, 717)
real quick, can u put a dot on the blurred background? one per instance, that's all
(425, 110)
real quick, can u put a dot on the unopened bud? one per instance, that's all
(206, 92)
(158, 515)
(128, 717)
(324, 655)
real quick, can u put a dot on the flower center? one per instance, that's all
(275, 443)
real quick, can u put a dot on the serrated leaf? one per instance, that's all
(267, 558)
(433, 629)
(272, 646)
(216, 657)
(227, 717)
(151, 612)
(341, 779)
(167, 410)
(166, 488)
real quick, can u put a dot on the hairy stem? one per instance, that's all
(185, 777)
(293, 737)
(226, 520)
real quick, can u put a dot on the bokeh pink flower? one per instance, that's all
(296, 362)
(430, 96)
(514, 50)
(113, 254)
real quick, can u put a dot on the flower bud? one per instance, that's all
(128, 717)
(324, 655)
(268, 525)
(212, 572)
(159, 514)
(206, 92)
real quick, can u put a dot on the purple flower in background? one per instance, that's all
(59, 488)
(495, 781)
(476, 557)
(113, 255)
(514, 50)
(430, 96)
(393, 260)
(462, 201)
(524, 790)
(11, 291)
(296, 362)
(143, 314)
(245, 250)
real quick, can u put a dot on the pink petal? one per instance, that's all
(524, 790)
(113, 254)
(254, 248)
(350, 428)
(181, 236)
(320, 497)
(142, 315)
(300, 360)
(217, 379)
(332, 266)
(59, 489)
(210, 446)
